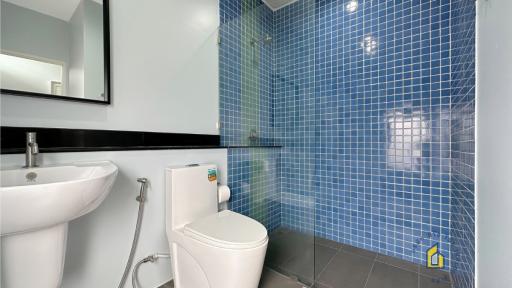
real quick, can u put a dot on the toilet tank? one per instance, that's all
(190, 194)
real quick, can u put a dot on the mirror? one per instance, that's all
(55, 49)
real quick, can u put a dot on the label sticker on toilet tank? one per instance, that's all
(212, 174)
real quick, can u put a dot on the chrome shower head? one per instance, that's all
(267, 39)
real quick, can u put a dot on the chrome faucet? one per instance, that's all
(32, 150)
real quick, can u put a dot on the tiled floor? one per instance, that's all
(337, 265)
(168, 285)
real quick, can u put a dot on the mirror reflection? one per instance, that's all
(53, 48)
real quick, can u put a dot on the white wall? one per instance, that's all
(164, 74)
(494, 144)
(99, 243)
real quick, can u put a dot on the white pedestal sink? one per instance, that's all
(36, 206)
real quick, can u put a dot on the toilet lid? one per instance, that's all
(228, 229)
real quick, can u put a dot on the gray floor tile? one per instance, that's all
(435, 273)
(328, 243)
(292, 253)
(277, 253)
(427, 282)
(406, 265)
(272, 279)
(320, 285)
(169, 284)
(359, 251)
(387, 276)
(283, 247)
(346, 270)
(305, 262)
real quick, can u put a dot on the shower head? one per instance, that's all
(278, 4)
(267, 39)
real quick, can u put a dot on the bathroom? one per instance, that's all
(350, 143)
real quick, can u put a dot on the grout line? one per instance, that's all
(279, 274)
(359, 255)
(369, 273)
(328, 263)
(396, 266)
(326, 246)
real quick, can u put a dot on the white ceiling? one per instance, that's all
(278, 4)
(56, 8)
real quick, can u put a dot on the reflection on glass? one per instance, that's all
(19, 73)
(53, 47)
(406, 133)
(369, 45)
(351, 6)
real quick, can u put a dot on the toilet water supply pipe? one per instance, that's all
(150, 258)
(141, 199)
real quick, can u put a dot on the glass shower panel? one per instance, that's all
(267, 111)
(292, 251)
(348, 121)
(246, 66)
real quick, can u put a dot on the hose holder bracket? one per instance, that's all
(143, 187)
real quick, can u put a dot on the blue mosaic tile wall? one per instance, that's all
(363, 105)
(380, 136)
(463, 144)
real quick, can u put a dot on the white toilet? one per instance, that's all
(210, 249)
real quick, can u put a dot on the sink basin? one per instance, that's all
(42, 197)
(36, 206)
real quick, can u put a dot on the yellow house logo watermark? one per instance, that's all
(434, 258)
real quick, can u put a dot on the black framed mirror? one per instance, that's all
(56, 49)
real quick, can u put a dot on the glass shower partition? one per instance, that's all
(268, 118)
(292, 249)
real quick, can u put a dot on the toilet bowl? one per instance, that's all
(210, 249)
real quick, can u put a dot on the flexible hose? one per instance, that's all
(141, 198)
(150, 258)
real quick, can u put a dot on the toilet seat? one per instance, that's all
(229, 230)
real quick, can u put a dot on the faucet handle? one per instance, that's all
(32, 142)
(34, 148)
